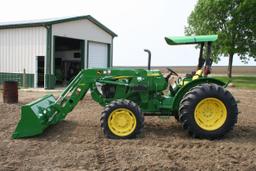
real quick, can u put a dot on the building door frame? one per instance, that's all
(37, 69)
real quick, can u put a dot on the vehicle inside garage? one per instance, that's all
(69, 59)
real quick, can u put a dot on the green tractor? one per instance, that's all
(202, 104)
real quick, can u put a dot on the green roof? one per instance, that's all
(179, 40)
(47, 22)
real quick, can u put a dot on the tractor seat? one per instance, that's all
(198, 74)
(193, 76)
(187, 79)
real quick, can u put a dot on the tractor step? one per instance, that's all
(163, 117)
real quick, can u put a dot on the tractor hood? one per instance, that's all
(179, 40)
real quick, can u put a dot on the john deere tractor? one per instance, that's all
(202, 104)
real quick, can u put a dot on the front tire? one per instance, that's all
(122, 119)
(208, 111)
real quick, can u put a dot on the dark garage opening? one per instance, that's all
(69, 59)
(40, 71)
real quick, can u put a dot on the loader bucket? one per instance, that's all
(35, 117)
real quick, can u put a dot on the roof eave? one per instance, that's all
(44, 24)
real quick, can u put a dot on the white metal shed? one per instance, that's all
(52, 51)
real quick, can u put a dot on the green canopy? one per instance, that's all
(174, 40)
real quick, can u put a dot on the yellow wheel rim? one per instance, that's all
(210, 114)
(122, 122)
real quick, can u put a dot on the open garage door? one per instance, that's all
(97, 55)
(69, 59)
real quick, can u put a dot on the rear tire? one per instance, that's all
(176, 116)
(122, 119)
(208, 111)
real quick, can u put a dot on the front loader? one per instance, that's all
(202, 104)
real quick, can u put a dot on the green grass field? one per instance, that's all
(248, 82)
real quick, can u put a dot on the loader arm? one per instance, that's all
(38, 115)
(69, 98)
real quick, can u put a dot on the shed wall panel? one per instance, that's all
(81, 29)
(19, 48)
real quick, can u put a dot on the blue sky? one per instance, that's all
(139, 24)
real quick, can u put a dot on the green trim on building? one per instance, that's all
(111, 52)
(17, 77)
(49, 77)
(109, 48)
(49, 49)
(87, 55)
(53, 54)
(49, 81)
(82, 48)
(45, 23)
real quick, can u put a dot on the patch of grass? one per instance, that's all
(248, 82)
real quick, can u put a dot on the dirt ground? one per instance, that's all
(79, 144)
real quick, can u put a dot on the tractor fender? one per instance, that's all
(184, 89)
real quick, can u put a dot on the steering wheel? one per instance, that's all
(172, 73)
